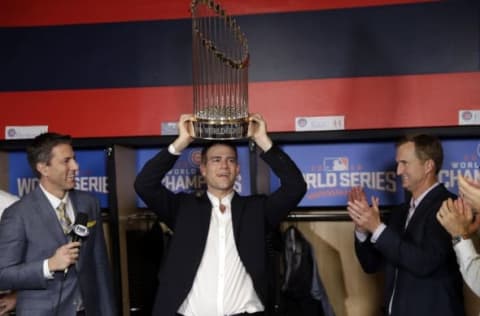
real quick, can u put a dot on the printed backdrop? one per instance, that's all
(92, 176)
(331, 170)
(185, 175)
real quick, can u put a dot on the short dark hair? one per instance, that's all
(209, 145)
(426, 147)
(40, 150)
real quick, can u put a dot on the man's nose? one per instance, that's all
(224, 163)
(399, 170)
(74, 165)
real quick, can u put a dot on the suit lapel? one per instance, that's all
(75, 202)
(237, 206)
(421, 209)
(398, 218)
(201, 220)
(76, 205)
(48, 217)
(404, 210)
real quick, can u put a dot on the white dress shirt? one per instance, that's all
(221, 286)
(469, 261)
(6, 199)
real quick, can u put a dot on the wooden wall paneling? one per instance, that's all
(125, 172)
(351, 291)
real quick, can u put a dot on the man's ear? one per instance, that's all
(42, 168)
(202, 169)
(430, 165)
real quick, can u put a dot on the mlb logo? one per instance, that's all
(335, 163)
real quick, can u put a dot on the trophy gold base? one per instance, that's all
(220, 129)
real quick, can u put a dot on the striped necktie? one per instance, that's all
(63, 218)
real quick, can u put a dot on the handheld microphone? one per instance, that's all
(79, 230)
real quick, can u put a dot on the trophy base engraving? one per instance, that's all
(220, 129)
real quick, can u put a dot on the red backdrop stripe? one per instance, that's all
(371, 102)
(59, 12)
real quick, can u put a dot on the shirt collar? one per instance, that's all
(54, 201)
(226, 200)
(418, 200)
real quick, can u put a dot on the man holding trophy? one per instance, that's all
(216, 263)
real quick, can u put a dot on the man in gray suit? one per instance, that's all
(51, 274)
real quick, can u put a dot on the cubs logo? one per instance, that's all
(195, 157)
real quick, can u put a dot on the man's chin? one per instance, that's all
(70, 186)
(227, 188)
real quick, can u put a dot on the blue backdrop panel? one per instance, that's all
(460, 157)
(92, 176)
(330, 170)
(185, 175)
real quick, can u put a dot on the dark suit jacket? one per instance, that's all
(189, 216)
(30, 233)
(428, 280)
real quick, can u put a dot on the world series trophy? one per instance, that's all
(220, 73)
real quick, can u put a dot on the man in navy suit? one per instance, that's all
(51, 274)
(415, 251)
(216, 262)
